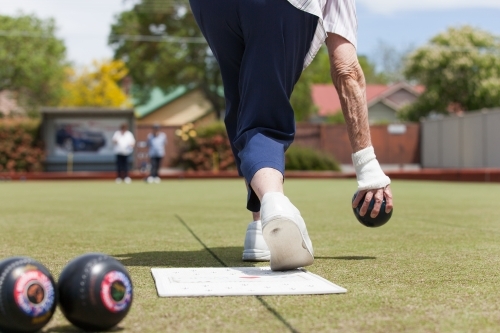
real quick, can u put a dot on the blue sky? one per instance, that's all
(84, 24)
(414, 27)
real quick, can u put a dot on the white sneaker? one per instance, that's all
(150, 180)
(285, 233)
(118, 180)
(127, 180)
(255, 248)
(157, 180)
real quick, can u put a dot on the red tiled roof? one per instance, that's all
(420, 89)
(325, 97)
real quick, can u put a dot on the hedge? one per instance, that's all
(20, 149)
(302, 158)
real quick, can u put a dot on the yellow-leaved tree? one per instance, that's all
(96, 86)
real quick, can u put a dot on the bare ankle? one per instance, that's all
(267, 180)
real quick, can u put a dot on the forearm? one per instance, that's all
(349, 80)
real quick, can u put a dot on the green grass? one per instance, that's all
(435, 267)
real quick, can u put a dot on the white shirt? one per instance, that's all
(123, 143)
(335, 16)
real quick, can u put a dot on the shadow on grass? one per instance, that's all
(230, 256)
(348, 258)
(74, 329)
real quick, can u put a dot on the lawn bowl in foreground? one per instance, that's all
(366, 220)
(27, 295)
(95, 292)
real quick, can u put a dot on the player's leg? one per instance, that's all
(154, 167)
(118, 169)
(272, 40)
(277, 37)
(158, 165)
(125, 169)
(219, 21)
(220, 24)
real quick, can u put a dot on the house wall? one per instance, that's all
(192, 105)
(381, 113)
(402, 97)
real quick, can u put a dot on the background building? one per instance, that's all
(384, 102)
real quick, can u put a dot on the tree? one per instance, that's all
(32, 60)
(390, 61)
(97, 86)
(163, 47)
(318, 72)
(460, 68)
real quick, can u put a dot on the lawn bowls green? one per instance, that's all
(366, 220)
(95, 292)
(28, 295)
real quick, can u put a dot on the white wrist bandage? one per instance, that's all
(368, 171)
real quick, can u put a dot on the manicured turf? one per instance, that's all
(435, 267)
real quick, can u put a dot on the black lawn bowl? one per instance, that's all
(372, 222)
(95, 292)
(28, 295)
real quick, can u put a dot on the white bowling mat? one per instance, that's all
(239, 281)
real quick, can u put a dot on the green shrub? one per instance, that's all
(209, 150)
(301, 158)
(20, 149)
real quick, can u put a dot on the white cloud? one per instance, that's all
(392, 6)
(83, 24)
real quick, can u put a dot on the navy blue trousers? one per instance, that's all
(122, 166)
(260, 46)
(155, 165)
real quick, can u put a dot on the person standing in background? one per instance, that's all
(124, 142)
(156, 144)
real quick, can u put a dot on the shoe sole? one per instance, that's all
(287, 247)
(256, 255)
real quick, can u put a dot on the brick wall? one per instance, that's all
(390, 148)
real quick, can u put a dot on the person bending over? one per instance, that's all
(262, 47)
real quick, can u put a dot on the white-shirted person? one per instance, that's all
(123, 142)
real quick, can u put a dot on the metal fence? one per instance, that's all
(468, 141)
